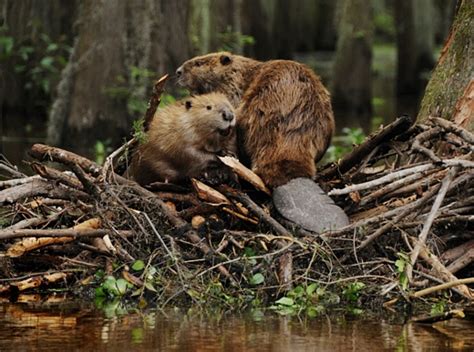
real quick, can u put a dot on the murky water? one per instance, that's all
(66, 327)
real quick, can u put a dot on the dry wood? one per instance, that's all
(209, 194)
(429, 221)
(399, 174)
(44, 152)
(400, 125)
(40, 187)
(451, 127)
(463, 261)
(18, 181)
(158, 89)
(440, 271)
(245, 173)
(53, 174)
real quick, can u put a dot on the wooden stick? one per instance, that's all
(53, 174)
(440, 270)
(43, 152)
(397, 127)
(452, 127)
(429, 221)
(399, 174)
(158, 89)
(427, 291)
(18, 181)
(40, 187)
(10, 234)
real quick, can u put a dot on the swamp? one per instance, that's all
(92, 260)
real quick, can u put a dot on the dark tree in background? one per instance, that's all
(31, 24)
(450, 91)
(415, 24)
(119, 47)
(351, 91)
(117, 43)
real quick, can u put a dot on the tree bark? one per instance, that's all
(25, 21)
(352, 91)
(450, 91)
(114, 38)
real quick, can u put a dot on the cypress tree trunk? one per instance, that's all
(415, 42)
(450, 91)
(107, 77)
(352, 91)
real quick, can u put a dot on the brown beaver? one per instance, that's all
(184, 139)
(284, 115)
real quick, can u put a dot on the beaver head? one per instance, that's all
(212, 118)
(217, 72)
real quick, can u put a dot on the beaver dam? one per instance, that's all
(408, 190)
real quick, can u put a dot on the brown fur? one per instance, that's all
(284, 115)
(184, 139)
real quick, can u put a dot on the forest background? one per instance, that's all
(77, 74)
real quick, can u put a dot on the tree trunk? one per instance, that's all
(107, 78)
(415, 43)
(259, 16)
(25, 22)
(352, 82)
(450, 91)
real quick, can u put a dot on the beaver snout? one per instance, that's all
(227, 115)
(179, 71)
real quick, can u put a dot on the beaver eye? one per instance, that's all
(225, 60)
(208, 107)
(197, 63)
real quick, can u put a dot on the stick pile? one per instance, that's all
(408, 190)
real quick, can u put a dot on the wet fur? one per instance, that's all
(184, 139)
(284, 116)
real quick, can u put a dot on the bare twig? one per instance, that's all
(429, 221)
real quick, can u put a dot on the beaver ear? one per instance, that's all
(225, 59)
(188, 104)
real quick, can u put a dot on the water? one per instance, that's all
(70, 327)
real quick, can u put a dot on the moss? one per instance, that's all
(454, 71)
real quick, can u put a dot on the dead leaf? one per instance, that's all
(245, 173)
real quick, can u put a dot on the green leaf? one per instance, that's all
(138, 265)
(297, 292)
(257, 279)
(150, 286)
(312, 312)
(47, 61)
(52, 47)
(311, 288)
(285, 301)
(400, 264)
(122, 286)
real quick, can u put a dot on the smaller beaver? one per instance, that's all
(184, 139)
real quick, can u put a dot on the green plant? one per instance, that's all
(301, 299)
(112, 287)
(384, 26)
(232, 41)
(132, 89)
(40, 64)
(101, 149)
(438, 307)
(401, 265)
(139, 131)
(344, 144)
(353, 291)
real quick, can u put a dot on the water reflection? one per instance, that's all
(80, 327)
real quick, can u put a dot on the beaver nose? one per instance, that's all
(179, 71)
(227, 116)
